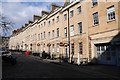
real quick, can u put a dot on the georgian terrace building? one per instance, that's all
(81, 29)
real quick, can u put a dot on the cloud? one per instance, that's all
(20, 13)
(0, 8)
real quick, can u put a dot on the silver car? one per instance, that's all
(7, 57)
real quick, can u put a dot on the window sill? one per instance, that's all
(111, 20)
(78, 13)
(95, 25)
(72, 35)
(80, 33)
(94, 6)
(71, 17)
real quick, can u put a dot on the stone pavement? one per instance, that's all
(107, 70)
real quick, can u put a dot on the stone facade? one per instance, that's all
(48, 33)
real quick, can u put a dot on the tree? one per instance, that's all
(5, 25)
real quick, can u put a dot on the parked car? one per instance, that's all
(46, 55)
(35, 54)
(7, 57)
(27, 52)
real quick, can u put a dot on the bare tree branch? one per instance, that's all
(5, 25)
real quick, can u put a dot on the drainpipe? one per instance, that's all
(68, 36)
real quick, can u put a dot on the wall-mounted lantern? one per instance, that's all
(49, 44)
(38, 44)
(65, 44)
(31, 44)
(61, 44)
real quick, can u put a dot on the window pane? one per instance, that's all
(71, 13)
(79, 9)
(65, 31)
(80, 48)
(94, 2)
(95, 18)
(57, 32)
(72, 30)
(80, 27)
(65, 17)
(111, 13)
(53, 34)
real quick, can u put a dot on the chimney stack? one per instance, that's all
(26, 25)
(35, 17)
(30, 22)
(54, 6)
(44, 13)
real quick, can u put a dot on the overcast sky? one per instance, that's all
(21, 11)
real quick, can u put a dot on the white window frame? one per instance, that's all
(57, 19)
(72, 30)
(80, 28)
(94, 2)
(65, 31)
(48, 23)
(53, 48)
(110, 11)
(44, 46)
(81, 48)
(65, 16)
(53, 20)
(38, 36)
(41, 25)
(71, 13)
(58, 32)
(41, 36)
(57, 47)
(48, 35)
(44, 23)
(44, 35)
(95, 18)
(79, 9)
(53, 33)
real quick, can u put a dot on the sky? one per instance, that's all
(21, 11)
